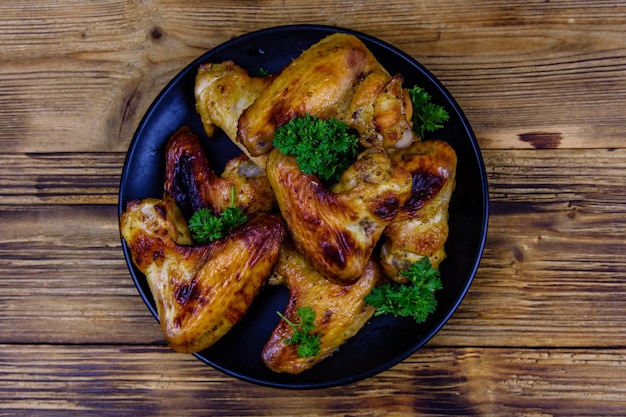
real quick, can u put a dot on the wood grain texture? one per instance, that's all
(84, 381)
(542, 331)
(60, 178)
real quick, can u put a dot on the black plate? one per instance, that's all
(385, 340)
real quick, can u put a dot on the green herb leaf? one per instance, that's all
(427, 116)
(204, 226)
(207, 227)
(307, 342)
(232, 218)
(325, 148)
(416, 299)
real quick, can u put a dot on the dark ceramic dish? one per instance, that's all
(385, 340)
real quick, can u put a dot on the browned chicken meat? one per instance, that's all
(193, 184)
(200, 291)
(319, 82)
(338, 77)
(421, 227)
(223, 91)
(337, 229)
(340, 311)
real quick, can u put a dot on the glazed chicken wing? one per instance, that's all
(340, 311)
(319, 82)
(337, 229)
(200, 291)
(421, 227)
(193, 184)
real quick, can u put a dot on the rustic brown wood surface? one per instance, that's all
(541, 332)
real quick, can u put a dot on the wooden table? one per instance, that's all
(542, 330)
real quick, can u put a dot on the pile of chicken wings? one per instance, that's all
(330, 244)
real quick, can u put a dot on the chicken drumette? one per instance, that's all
(193, 184)
(337, 229)
(421, 227)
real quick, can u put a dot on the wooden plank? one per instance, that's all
(75, 71)
(60, 178)
(47, 380)
(554, 250)
(63, 279)
(511, 68)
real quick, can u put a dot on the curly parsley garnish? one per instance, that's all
(416, 299)
(206, 227)
(325, 148)
(308, 343)
(427, 116)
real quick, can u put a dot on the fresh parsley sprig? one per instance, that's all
(207, 227)
(415, 299)
(427, 116)
(325, 148)
(308, 342)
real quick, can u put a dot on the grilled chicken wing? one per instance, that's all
(222, 92)
(200, 291)
(421, 227)
(337, 230)
(192, 183)
(319, 82)
(340, 311)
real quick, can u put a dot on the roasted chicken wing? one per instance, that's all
(337, 229)
(340, 311)
(200, 291)
(421, 227)
(318, 82)
(193, 184)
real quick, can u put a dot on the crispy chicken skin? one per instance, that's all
(421, 227)
(200, 291)
(340, 311)
(193, 184)
(222, 92)
(337, 229)
(319, 82)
